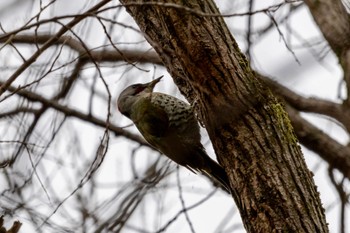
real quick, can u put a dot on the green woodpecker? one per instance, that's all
(170, 126)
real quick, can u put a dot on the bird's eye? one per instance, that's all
(137, 89)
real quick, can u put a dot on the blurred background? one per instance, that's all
(70, 162)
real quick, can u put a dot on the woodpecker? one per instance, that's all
(170, 126)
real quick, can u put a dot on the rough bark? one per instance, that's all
(250, 131)
(336, 154)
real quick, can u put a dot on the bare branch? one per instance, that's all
(314, 105)
(96, 55)
(73, 113)
(47, 44)
(337, 155)
(14, 229)
(333, 20)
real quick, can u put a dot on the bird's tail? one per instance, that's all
(215, 172)
(218, 173)
(201, 162)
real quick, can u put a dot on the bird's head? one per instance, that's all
(132, 93)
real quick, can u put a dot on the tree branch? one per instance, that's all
(334, 22)
(47, 44)
(251, 134)
(69, 112)
(336, 155)
(314, 105)
(96, 55)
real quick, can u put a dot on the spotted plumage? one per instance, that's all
(170, 126)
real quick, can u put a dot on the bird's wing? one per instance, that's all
(151, 120)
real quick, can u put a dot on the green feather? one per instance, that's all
(151, 120)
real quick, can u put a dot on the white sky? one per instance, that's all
(270, 56)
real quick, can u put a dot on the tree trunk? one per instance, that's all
(250, 131)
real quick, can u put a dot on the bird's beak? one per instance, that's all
(153, 83)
